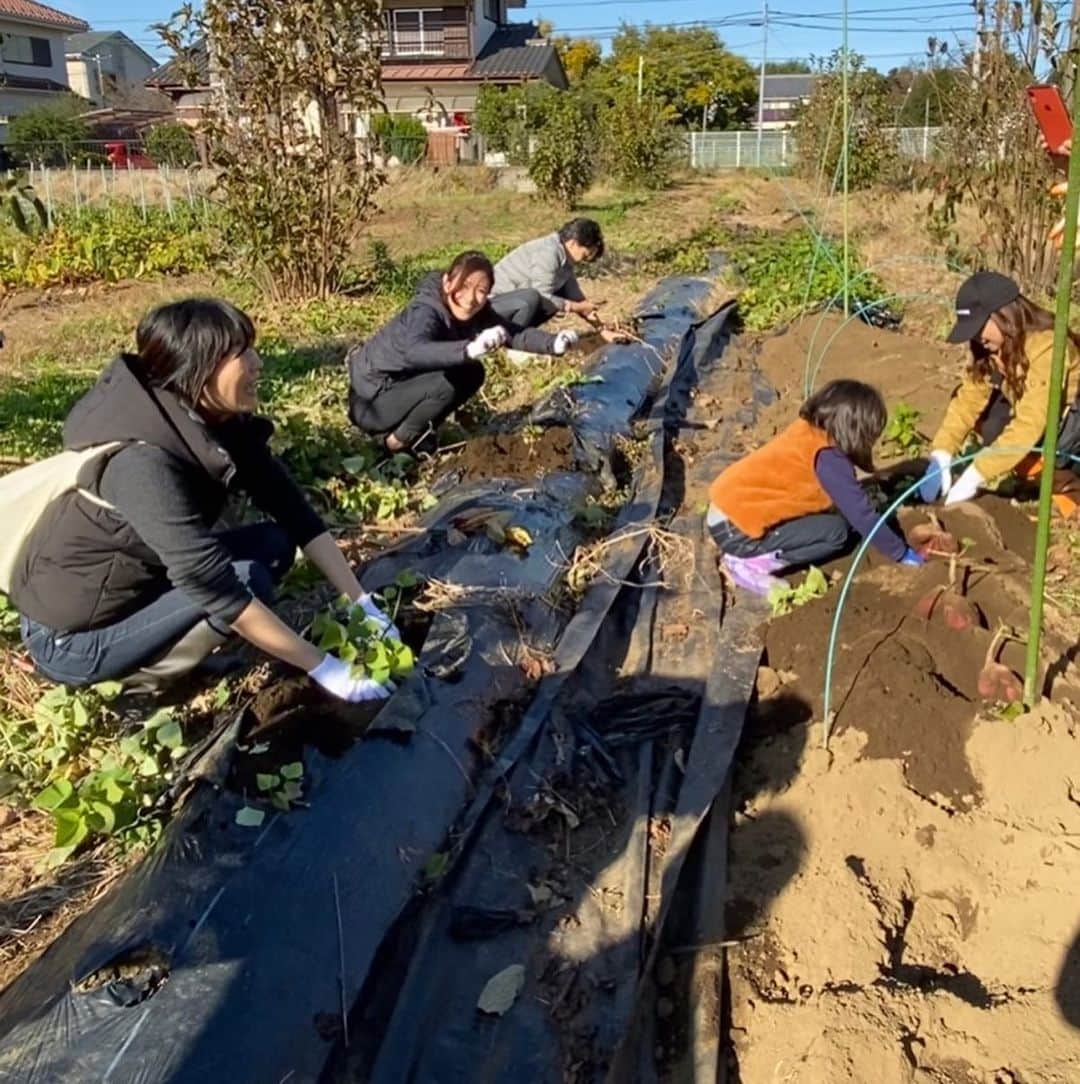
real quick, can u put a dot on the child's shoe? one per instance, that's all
(754, 574)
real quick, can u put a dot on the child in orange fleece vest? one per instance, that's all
(773, 509)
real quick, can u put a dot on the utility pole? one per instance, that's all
(640, 76)
(926, 131)
(980, 30)
(844, 162)
(761, 78)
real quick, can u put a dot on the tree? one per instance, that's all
(508, 117)
(580, 58)
(171, 144)
(564, 162)
(922, 95)
(50, 134)
(819, 130)
(639, 141)
(289, 82)
(687, 68)
(789, 67)
(990, 158)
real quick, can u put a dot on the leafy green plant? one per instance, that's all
(296, 190)
(902, 432)
(639, 141)
(50, 134)
(171, 144)
(118, 798)
(783, 600)
(563, 164)
(351, 635)
(400, 136)
(283, 788)
(508, 117)
(9, 618)
(26, 211)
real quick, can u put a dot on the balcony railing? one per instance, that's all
(450, 42)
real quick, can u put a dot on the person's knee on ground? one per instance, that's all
(180, 659)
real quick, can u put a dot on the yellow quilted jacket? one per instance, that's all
(1028, 421)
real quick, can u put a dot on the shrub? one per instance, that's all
(507, 117)
(281, 130)
(639, 142)
(564, 162)
(819, 131)
(400, 136)
(171, 144)
(49, 134)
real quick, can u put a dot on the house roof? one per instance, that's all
(789, 86)
(179, 72)
(83, 43)
(508, 54)
(40, 13)
(414, 73)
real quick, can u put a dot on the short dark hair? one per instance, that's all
(466, 264)
(587, 233)
(853, 414)
(181, 344)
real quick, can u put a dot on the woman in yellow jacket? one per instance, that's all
(1004, 394)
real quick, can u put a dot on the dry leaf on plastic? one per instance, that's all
(502, 990)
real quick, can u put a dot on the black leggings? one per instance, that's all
(524, 308)
(408, 405)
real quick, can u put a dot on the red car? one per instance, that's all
(122, 158)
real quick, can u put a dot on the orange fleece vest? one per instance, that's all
(774, 484)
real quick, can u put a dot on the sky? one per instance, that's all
(887, 32)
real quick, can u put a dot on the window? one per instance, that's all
(20, 49)
(418, 32)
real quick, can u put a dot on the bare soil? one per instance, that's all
(516, 455)
(903, 904)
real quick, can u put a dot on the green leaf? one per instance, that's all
(249, 817)
(57, 794)
(333, 637)
(71, 828)
(406, 579)
(292, 791)
(436, 865)
(279, 801)
(114, 793)
(158, 719)
(107, 815)
(267, 781)
(404, 660)
(80, 716)
(59, 855)
(390, 593)
(221, 694)
(170, 735)
(149, 767)
(108, 690)
(381, 674)
(292, 771)
(815, 583)
(348, 653)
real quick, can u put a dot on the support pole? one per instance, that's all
(844, 160)
(761, 78)
(1053, 417)
(640, 76)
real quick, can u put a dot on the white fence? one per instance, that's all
(776, 149)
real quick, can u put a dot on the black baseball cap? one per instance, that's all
(977, 300)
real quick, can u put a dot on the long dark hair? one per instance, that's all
(181, 344)
(466, 264)
(853, 415)
(1017, 320)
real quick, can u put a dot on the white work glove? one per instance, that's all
(563, 341)
(938, 477)
(387, 629)
(489, 339)
(965, 487)
(336, 678)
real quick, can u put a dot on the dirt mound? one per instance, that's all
(905, 901)
(516, 455)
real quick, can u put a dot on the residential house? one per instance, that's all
(33, 71)
(783, 97)
(102, 63)
(434, 61)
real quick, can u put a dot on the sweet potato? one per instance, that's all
(999, 684)
(930, 540)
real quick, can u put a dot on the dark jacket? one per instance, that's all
(85, 566)
(425, 336)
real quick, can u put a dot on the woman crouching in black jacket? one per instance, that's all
(126, 576)
(425, 363)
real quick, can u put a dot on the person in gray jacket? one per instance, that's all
(536, 281)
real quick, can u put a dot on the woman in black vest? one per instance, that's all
(126, 577)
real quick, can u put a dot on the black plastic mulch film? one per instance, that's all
(229, 954)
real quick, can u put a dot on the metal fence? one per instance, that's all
(776, 149)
